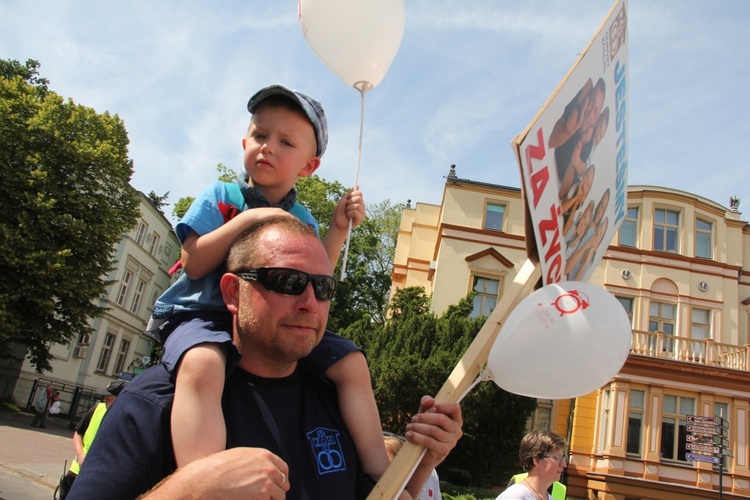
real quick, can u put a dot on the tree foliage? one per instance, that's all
(413, 354)
(158, 201)
(65, 201)
(363, 293)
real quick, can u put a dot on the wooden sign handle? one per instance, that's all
(466, 371)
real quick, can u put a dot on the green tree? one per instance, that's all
(363, 293)
(226, 174)
(158, 201)
(181, 207)
(65, 201)
(413, 354)
(29, 72)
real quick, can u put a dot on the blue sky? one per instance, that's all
(468, 77)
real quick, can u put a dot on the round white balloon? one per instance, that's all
(565, 340)
(357, 40)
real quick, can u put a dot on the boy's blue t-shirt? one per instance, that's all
(206, 214)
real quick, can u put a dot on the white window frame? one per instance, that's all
(138, 296)
(704, 236)
(122, 354)
(667, 227)
(122, 293)
(629, 221)
(106, 353)
(502, 209)
(483, 295)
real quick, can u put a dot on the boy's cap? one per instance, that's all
(312, 108)
(113, 388)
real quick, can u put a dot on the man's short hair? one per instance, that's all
(246, 252)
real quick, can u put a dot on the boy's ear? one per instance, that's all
(310, 167)
(243, 143)
(230, 292)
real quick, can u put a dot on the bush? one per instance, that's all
(455, 492)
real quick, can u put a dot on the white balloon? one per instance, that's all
(356, 39)
(565, 340)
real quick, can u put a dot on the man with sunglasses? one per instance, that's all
(285, 434)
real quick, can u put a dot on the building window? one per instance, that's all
(704, 241)
(82, 346)
(541, 418)
(604, 421)
(627, 304)
(154, 244)
(629, 228)
(486, 295)
(635, 422)
(109, 342)
(140, 232)
(722, 410)
(662, 318)
(121, 356)
(494, 216)
(673, 422)
(137, 296)
(124, 285)
(700, 329)
(666, 230)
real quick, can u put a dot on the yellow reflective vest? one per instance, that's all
(559, 490)
(88, 436)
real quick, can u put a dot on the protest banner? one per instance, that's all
(573, 158)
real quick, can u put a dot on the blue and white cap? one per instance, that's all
(312, 108)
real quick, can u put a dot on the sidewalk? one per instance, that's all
(36, 454)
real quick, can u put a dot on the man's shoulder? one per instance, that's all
(155, 384)
(133, 449)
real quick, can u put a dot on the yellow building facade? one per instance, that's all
(680, 266)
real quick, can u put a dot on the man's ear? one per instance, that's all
(310, 167)
(230, 292)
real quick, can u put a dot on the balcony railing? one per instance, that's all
(704, 352)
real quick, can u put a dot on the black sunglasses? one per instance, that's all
(289, 281)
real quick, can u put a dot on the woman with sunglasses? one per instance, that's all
(543, 455)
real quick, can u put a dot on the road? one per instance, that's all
(32, 459)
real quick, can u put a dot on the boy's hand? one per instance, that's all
(350, 206)
(263, 214)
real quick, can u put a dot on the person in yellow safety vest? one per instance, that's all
(557, 490)
(86, 431)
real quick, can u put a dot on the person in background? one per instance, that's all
(42, 405)
(543, 455)
(86, 431)
(431, 488)
(557, 490)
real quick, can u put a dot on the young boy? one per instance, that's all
(287, 136)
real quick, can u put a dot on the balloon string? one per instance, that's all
(363, 90)
(484, 375)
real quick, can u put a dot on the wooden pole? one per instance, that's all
(466, 371)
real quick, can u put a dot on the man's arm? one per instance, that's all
(233, 473)
(81, 429)
(437, 427)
